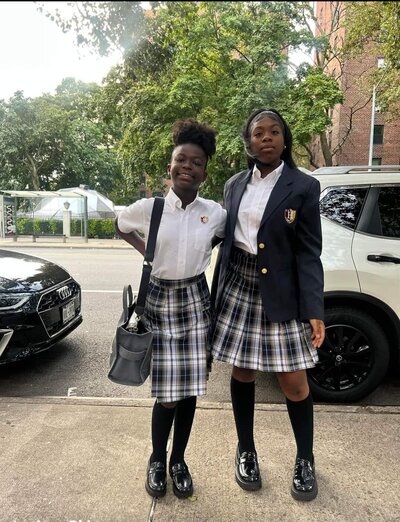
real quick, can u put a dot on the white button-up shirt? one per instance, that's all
(183, 246)
(252, 206)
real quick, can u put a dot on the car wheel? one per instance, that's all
(353, 359)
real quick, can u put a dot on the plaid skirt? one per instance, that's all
(245, 338)
(178, 311)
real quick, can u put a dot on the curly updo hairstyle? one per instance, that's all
(191, 131)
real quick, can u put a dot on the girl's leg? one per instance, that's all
(247, 471)
(301, 413)
(300, 408)
(184, 416)
(161, 422)
(181, 478)
(243, 402)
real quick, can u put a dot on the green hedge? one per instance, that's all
(97, 228)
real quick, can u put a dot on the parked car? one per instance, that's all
(360, 215)
(40, 303)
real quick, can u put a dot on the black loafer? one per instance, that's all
(304, 484)
(247, 471)
(181, 480)
(156, 482)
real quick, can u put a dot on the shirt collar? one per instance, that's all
(272, 176)
(174, 202)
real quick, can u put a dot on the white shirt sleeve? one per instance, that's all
(220, 232)
(132, 218)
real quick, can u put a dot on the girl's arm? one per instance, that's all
(133, 238)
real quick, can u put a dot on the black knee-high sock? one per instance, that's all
(185, 410)
(301, 414)
(243, 400)
(161, 423)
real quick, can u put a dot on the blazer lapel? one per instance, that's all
(237, 194)
(280, 192)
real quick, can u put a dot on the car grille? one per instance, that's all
(51, 305)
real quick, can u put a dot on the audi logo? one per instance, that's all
(64, 292)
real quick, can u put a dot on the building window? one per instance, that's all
(378, 134)
(376, 161)
(142, 194)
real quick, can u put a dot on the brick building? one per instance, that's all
(349, 137)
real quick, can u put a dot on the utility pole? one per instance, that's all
(371, 137)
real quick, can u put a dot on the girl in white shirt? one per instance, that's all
(178, 299)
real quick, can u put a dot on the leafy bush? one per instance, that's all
(97, 228)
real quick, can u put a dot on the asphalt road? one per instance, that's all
(77, 366)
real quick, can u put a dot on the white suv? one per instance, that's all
(360, 215)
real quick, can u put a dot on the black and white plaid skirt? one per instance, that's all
(245, 338)
(179, 314)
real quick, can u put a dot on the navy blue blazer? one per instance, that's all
(289, 243)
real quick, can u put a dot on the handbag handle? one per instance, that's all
(127, 301)
(149, 254)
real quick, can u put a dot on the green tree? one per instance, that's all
(215, 61)
(58, 141)
(32, 133)
(377, 24)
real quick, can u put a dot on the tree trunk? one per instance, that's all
(326, 151)
(34, 173)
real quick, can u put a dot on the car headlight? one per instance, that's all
(12, 301)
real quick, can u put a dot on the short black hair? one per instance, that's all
(191, 131)
(286, 155)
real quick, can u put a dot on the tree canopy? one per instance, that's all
(377, 23)
(57, 141)
(214, 61)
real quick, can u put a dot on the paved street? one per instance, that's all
(77, 366)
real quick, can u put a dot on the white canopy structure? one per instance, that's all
(98, 205)
(9, 199)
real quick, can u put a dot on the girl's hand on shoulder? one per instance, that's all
(318, 332)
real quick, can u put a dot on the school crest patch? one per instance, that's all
(204, 219)
(290, 215)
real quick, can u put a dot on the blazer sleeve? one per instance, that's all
(308, 257)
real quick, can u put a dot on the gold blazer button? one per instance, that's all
(264, 270)
(261, 245)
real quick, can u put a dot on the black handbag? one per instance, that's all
(132, 346)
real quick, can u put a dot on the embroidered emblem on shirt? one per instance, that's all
(204, 219)
(290, 215)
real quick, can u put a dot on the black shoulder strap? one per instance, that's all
(149, 254)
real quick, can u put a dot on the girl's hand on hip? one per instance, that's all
(318, 332)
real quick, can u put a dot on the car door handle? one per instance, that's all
(383, 259)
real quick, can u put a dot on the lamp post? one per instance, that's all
(66, 220)
(371, 137)
(381, 64)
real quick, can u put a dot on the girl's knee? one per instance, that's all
(294, 386)
(168, 405)
(296, 394)
(243, 374)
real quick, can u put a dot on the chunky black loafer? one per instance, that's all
(247, 471)
(156, 481)
(181, 480)
(304, 484)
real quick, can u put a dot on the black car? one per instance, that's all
(40, 303)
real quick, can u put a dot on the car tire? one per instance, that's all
(353, 359)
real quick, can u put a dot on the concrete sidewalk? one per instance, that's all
(57, 242)
(84, 459)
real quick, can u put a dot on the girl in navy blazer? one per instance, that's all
(268, 287)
